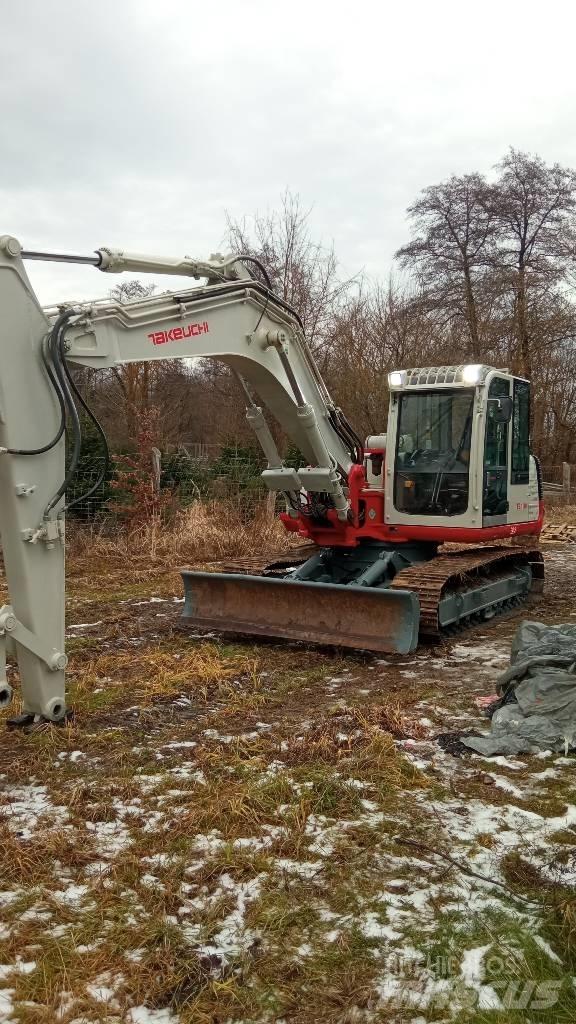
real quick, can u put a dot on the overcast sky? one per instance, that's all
(138, 123)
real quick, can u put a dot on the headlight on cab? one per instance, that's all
(472, 373)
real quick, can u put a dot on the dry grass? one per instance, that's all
(204, 531)
(391, 718)
(226, 765)
(151, 675)
(559, 900)
(560, 512)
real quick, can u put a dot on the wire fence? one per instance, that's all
(195, 472)
(229, 473)
(559, 483)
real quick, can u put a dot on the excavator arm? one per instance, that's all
(233, 318)
(241, 324)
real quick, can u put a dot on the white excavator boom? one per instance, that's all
(233, 319)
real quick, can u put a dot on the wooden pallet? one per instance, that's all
(565, 532)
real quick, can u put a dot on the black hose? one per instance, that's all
(254, 259)
(230, 287)
(353, 434)
(106, 464)
(347, 435)
(58, 360)
(59, 394)
(69, 389)
(347, 439)
(348, 429)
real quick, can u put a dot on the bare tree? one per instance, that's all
(123, 396)
(381, 328)
(304, 272)
(454, 231)
(491, 268)
(133, 379)
(533, 205)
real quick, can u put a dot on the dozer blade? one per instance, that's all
(320, 613)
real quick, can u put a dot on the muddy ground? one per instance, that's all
(231, 831)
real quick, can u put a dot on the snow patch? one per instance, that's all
(546, 948)
(26, 806)
(142, 1015)
(111, 836)
(504, 783)
(71, 896)
(19, 967)
(232, 937)
(373, 928)
(6, 1005)
(304, 868)
(472, 973)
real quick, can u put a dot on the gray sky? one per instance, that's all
(137, 124)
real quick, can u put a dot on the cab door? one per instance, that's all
(495, 490)
(523, 490)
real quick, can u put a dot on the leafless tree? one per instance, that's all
(533, 205)
(133, 379)
(379, 329)
(454, 229)
(491, 268)
(304, 272)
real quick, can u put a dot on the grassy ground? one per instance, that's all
(242, 832)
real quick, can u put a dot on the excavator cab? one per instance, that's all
(459, 444)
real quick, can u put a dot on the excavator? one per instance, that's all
(395, 527)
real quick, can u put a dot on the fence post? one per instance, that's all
(566, 480)
(271, 505)
(156, 458)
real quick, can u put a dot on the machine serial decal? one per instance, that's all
(179, 333)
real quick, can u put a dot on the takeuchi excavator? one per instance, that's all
(453, 466)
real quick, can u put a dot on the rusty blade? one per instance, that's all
(365, 618)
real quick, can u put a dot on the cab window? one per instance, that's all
(496, 456)
(521, 433)
(495, 492)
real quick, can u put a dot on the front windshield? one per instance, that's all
(433, 452)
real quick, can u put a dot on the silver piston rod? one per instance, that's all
(59, 257)
(116, 261)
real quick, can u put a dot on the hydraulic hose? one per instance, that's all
(243, 258)
(58, 360)
(59, 394)
(106, 464)
(69, 391)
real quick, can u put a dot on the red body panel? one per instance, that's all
(366, 522)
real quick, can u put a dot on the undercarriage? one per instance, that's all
(377, 597)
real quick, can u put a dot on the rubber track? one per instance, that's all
(431, 579)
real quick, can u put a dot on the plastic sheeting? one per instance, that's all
(537, 709)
